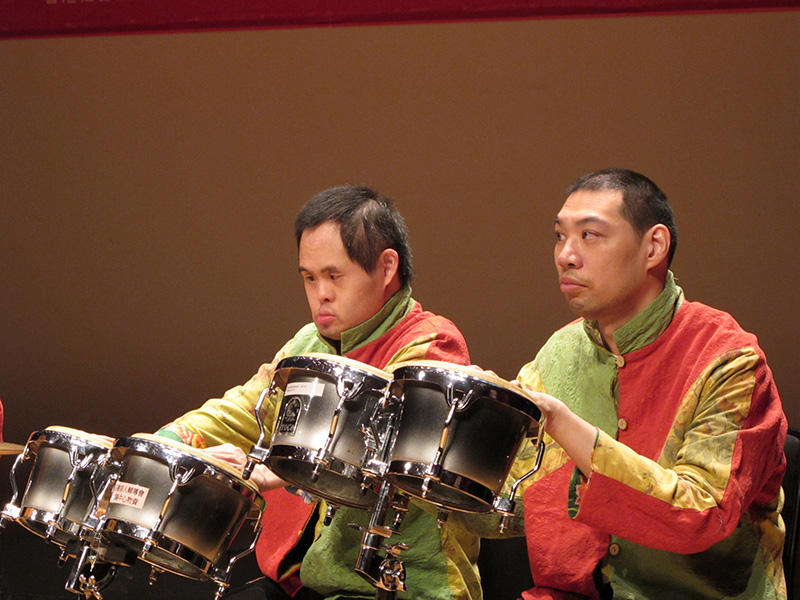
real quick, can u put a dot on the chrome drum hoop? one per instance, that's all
(458, 432)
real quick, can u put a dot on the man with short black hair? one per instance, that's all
(355, 262)
(664, 463)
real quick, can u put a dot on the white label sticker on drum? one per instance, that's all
(129, 494)
(305, 388)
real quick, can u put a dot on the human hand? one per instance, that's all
(479, 368)
(261, 476)
(575, 435)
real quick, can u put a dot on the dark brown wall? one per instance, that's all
(149, 184)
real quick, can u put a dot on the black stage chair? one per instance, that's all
(505, 571)
(791, 508)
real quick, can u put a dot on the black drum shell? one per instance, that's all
(482, 442)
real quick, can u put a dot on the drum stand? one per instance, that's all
(388, 573)
(90, 576)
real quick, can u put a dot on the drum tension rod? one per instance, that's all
(12, 510)
(434, 470)
(79, 463)
(179, 478)
(258, 454)
(346, 392)
(507, 507)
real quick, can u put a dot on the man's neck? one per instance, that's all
(654, 288)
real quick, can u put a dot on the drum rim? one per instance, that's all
(300, 454)
(467, 486)
(30, 514)
(122, 527)
(75, 433)
(341, 360)
(475, 374)
(194, 453)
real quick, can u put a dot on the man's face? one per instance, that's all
(600, 259)
(340, 293)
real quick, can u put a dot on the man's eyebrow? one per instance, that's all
(327, 269)
(585, 220)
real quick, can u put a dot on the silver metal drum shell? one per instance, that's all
(48, 479)
(202, 517)
(484, 436)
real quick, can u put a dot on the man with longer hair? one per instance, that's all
(663, 471)
(355, 262)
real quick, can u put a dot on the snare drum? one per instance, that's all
(458, 430)
(176, 507)
(62, 486)
(325, 432)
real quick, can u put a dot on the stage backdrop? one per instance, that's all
(149, 185)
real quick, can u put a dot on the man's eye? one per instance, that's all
(589, 234)
(559, 236)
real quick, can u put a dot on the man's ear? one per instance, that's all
(658, 240)
(388, 263)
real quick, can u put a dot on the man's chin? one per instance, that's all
(331, 333)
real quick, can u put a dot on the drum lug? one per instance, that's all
(257, 455)
(506, 507)
(441, 518)
(330, 512)
(154, 574)
(10, 513)
(400, 507)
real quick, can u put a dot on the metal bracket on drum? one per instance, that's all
(178, 479)
(506, 507)
(376, 441)
(222, 577)
(258, 453)
(346, 391)
(95, 518)
(78, 464)
(434, 470)
(12, 510)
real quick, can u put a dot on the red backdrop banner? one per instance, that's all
(32, 18)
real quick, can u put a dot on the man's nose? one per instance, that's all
(325, 291)
(568, 255)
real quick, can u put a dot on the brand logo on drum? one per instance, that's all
(129, 494)
(290, 415)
